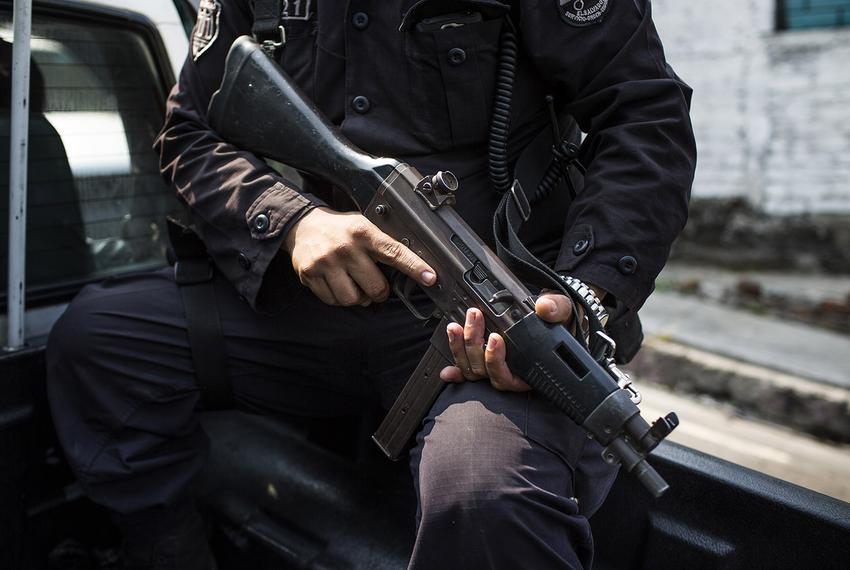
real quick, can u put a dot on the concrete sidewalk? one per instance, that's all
(799, 349)
(786, 372)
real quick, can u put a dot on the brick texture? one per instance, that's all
(771, 109)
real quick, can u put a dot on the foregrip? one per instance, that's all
(552, 362)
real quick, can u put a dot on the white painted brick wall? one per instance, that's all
(771, 109)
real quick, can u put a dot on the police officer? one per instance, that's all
(503, 479)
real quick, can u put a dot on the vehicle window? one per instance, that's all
(96, 203)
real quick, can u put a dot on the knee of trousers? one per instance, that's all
(76, 391)
(105, 366)
(72, 347)
(90, 350)
(492, 490)
(474, 457)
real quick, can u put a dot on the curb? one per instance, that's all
(792, 401)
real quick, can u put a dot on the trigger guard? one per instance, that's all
(402, 287)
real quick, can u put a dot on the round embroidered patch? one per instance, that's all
(582, 12)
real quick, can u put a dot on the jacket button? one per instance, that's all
(581, 246)
(261, 223)
(361, 104)
(456, 56)
(360, 20)
(627, 265)
(244, 262)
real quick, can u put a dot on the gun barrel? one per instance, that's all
(650, 478)
(620, 451)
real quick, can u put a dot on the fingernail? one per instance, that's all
(428, 277)
(444, 373)
(549, 305)
(492, 341)
(450, 334)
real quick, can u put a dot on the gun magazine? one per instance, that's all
(418, 395)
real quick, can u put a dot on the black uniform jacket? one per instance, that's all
(400, 86)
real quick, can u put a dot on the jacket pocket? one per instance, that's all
(452, 53)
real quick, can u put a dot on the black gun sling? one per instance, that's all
(194, 273)
(268, 29)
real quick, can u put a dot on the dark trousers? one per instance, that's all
(504, 480)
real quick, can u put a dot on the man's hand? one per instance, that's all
(335, 254)
(474, 361)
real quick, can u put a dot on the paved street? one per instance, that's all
(782, 453)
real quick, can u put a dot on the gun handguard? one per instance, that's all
(260, 110)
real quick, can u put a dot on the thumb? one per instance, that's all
(554, 308)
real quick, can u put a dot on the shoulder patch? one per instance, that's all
(206, 28)
(582, 13)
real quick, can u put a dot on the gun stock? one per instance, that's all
(257, 108)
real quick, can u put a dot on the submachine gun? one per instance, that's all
(259, 109)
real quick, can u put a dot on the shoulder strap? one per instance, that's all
(513, 210)
(267, 29)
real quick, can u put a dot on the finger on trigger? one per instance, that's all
(554, 308)
(397, 255)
